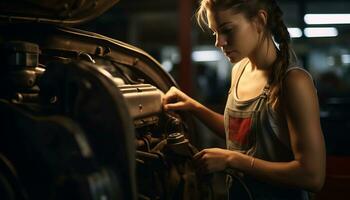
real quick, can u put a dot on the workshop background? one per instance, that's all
(168, 31)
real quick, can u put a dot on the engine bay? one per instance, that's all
(82, 118)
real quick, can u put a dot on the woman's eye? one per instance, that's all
(223, 31)
(226, 30)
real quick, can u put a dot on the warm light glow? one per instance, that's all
(321, 32)
(295, 32)
(202, 56)
(327, 18)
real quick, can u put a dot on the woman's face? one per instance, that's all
(235, 35)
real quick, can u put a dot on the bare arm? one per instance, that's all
(175, 99)
(213, 120)
(307, 170)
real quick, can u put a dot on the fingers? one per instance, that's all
(174, 106)
(174, 99)
(210, 160)
(199, 155)
(201, 162)
(170, 96)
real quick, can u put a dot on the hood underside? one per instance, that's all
(60, 12)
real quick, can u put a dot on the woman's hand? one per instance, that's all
(175, 99)
(213, 160)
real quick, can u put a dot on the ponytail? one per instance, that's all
(282, 38)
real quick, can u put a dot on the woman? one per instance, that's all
(271, 121)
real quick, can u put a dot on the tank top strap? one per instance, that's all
(266, 90)
(238, 74)
(261, 101)
(263, 98)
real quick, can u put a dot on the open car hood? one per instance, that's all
(60, 12)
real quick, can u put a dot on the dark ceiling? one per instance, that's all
(151, 24)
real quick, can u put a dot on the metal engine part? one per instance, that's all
(142, 99)
(77, 123)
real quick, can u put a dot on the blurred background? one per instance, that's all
(167, 30)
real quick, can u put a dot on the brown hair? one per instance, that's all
(274, 26)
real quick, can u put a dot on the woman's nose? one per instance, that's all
(220, 41)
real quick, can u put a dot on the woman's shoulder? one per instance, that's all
(298, 84)
(296, 75)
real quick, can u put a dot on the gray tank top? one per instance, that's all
(253, 128)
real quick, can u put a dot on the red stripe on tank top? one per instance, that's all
(239, 128)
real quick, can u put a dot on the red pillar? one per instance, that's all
(185, 46)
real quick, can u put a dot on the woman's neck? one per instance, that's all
(264, 56)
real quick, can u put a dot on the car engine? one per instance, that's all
(81, 118)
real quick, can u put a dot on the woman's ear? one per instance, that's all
(261, 20)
